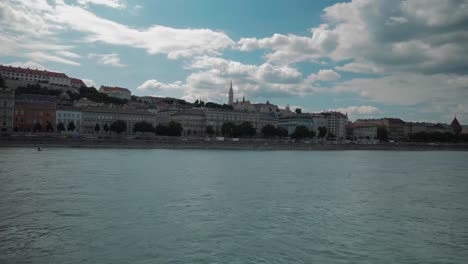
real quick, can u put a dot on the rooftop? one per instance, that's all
(32, 71)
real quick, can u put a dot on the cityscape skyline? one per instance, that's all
(409, 60)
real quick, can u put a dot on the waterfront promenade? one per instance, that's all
(248, 144)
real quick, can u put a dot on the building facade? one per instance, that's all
(291, 122)
(336, 124)
(34, 76)
(34, 113)
(364, 131)
(7, 102)
(116, 92)
(66, 116)
(97, 120)
(217, 117)
(395, 126)
(193, 122)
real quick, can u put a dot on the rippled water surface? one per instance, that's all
(194, 206)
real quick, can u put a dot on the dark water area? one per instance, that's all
(213, 206)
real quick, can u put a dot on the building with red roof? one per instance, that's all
(34, 75)
(77, 83)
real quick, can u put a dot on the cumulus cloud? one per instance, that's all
(35, 20)
(111, 59)
(157, 86)
(409, 89)
(417, 35)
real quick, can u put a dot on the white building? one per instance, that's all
(66, 116)
(336, 124)
(34, 76)
(116, 92)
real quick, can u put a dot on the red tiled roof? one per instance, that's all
(114, 89)
(32, 72)
(77, 81)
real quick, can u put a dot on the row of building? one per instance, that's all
(29, 113)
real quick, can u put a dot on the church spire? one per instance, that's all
(231, 95)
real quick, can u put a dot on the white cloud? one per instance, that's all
(109, 3)
(89, 82)
(324, 75)
(38, 20)
(157, 86)
(357, 67)
(44, 57)
(361, 110)
(409, 89)
(112, 59)
(68, 54)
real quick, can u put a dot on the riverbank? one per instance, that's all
(201, 144)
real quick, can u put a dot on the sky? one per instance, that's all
(367, 58)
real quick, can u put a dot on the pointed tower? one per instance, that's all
(457, 128)
(231, 95)
(287, 108)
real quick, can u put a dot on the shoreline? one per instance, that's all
(221, 145)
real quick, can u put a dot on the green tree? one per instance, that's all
(174, 129)
(312, 134)
(209, 130)
(301, 132)
(49, 127)
(228, 129)
(71, 126)
(268, 131)
(143, 126)
(37, 127)
(281, 132)
(60, 127)
(382, 134)
(118, 126)
(97, 127)
(2, 82)
(161, 130)
(246, 129)
(298, 111)
(322, 131)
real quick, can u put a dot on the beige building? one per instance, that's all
(217, 117)
(395, 126)
(336, 124)
(102, 118)
(7, 102)
(193, 122)
(364, 131)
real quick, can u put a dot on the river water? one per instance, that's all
(219, 206)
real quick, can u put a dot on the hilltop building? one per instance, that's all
(116, 92)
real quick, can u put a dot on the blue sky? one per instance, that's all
(368, 58)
